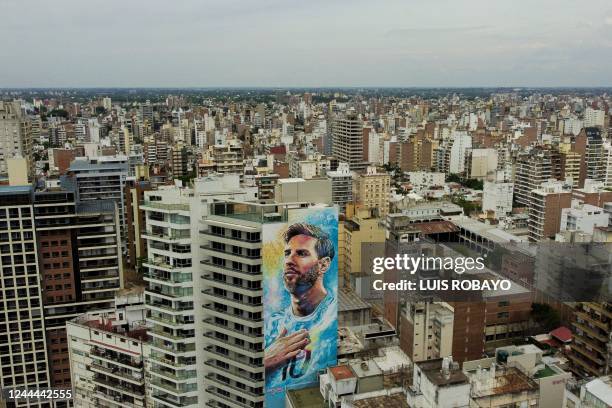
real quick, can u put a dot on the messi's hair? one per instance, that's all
(324, 245)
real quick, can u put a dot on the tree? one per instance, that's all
(453, 178)
(545, 316)
(100, 110)
(468, 206)
(473, 184)
(58, 112)
(465, 182)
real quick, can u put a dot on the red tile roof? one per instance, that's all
(341, 372)
(563, 334)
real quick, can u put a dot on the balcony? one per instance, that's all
(101, 381)
(230, 271)
(175, 390)
(223, 342)
(233, 402)
(169, 322)
(113, 358)
(167, 207)
(171, 277)
(168, 335)
(115, 372)
(163, 237)
(187, 348)
(174, 376)
(242, 376)
(236, 359)
(222, 384)
(169, 308)
(174, 294)
(241, 304)
(238, 255)
(210, 323)
(255, 291)
(171, 400)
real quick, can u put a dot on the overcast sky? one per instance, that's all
(183, 43)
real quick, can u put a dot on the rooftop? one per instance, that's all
(348, 300)
(135, 331)
(507, 380)
(306, 398)
(601, 388)
(433, 370)
(341, 372)
(15, 189)
(384, 401)
(435, 227)
(367, 368)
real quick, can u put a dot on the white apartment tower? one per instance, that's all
(342, 185)
(497, 196)
(231, 301)
(169, 298)
(461, 141)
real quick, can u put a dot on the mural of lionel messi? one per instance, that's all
(301, 338)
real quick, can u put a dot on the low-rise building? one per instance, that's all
(438, 383)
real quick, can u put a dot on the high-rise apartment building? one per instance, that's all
(591, 345)
(173, 224)
(23, 344)
(107, 355)
(594, 117)
(348, 141)
(80, 266)
(232, 340)
(532, 169)
(461, 141)
(362, 229)
(342, 185)
(100, 178)
(15, 136)
(480, 163)
(179, 162)
(545, 208)
(169, 298)
(570, 167)
(589, 144)
(372, 190)
(135, 221)
(230, 300)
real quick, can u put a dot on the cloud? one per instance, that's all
(608, 20)
(428, 30)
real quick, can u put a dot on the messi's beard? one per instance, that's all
(304, 282)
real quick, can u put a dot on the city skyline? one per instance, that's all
(315, 44)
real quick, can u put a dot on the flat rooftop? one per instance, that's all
(398, 400)
(367, 368)
(341, 372)
(433, 370)
(306, 398)
(136, 331)
(348, 300)
(601, 388)
(508, 380)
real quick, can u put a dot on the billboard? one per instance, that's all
(300, 292)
